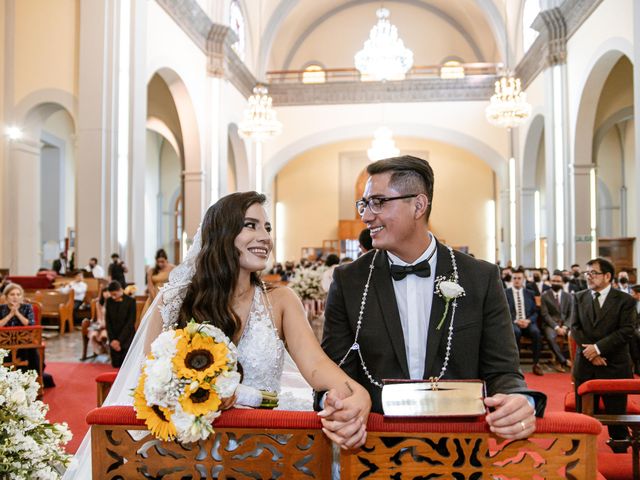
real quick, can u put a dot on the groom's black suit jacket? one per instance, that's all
(483, 345)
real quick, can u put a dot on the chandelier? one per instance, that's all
(382, 145)
(384, 56)
(508, 107)
(260, 122)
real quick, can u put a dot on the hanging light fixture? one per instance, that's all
(384, 56)
(260, 122)
(382, 145)
(508, 106)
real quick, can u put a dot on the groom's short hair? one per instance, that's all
(408, 175)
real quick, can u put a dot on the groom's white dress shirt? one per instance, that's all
(414, 296)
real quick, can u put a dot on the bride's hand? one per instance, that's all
(227, 403)
(344, 419)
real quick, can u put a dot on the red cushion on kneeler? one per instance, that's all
(615, 466)
(107, 377)
(570, 405)
(233, 418)
(618, 385)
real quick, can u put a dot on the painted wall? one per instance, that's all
(308, 187)
(46, 46)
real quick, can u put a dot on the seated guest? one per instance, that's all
(536, 285)
(15, 313)
(524, 315)
(97, 334)
(555, 309)
(364, 241)
(79, 287)
(96, 270)
(120, 317)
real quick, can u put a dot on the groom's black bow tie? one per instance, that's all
(422, 269)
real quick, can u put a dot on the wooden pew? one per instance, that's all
(56, 305)
(18, 338)
(291, 445)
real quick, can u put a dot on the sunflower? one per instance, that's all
(200, 401)
(157, 419)
(200, 357)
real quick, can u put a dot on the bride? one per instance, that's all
(218, 284)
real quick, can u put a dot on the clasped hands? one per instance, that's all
(344, 422)
(523, 322)
(590, 353)
(344, 417)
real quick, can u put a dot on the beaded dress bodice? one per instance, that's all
(260, 349)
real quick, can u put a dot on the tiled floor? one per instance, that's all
(67, 347)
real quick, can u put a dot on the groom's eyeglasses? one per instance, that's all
(375, 204)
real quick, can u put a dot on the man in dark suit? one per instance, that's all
(537, 286)
(60, 264)
(120, 317)
(602, 326)
(555, 308)
(524, 316)
(578, 282)
(403, 329)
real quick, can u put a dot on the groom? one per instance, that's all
(400, 335)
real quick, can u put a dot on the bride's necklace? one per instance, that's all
(356, 346)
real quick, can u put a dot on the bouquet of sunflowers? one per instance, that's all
(183, 380)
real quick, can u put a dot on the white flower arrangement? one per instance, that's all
(30, 446)
(187, 374)
(307, 283)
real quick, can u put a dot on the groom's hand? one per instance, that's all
(513, 416)
(344, 418)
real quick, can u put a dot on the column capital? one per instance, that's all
(582, 168)
(192, 175)
(26, 145)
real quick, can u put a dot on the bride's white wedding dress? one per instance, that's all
(261, 352)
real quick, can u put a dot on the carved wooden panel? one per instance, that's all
(471, 457)
(24, 337)
(228, 454)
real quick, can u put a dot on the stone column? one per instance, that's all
(96, 191)
(23, 169)
(527, 228)
(138, 145)
(584, 214)
(635, 182)
(560, 224)
(193, 200)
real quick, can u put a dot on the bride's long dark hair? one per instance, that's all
(209, 297)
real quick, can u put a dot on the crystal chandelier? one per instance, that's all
(260, 122)
(384, 56)
(508, 107)
(382, 145)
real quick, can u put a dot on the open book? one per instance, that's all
(421, 398)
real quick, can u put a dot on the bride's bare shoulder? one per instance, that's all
(282, 295)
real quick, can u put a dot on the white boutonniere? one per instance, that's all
(449, 289)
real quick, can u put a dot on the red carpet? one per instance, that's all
(73, 396)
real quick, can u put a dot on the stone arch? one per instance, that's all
(240, 157)
(190, 148)
(428, 132)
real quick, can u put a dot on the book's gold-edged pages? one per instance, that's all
(446, 398)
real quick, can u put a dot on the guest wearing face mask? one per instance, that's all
(555, 308)
(567, 285)
(578, 281)
(545, 276)
(623, 282)
(536, 285)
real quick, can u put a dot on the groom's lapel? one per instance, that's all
(382, 283)
(443, 268)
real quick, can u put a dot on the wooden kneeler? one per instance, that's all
(273, 444)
